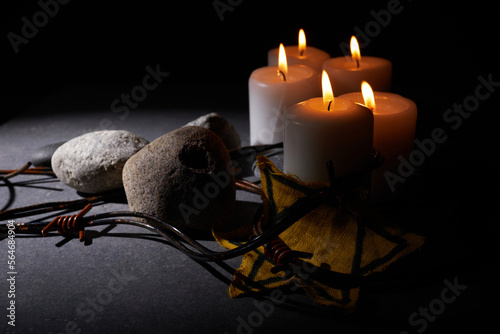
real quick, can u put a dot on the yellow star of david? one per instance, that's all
(337, 238)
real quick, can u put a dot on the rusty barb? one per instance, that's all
(69, 224)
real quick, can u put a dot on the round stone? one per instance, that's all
(221, 126)
(184, 177)
(42, 157)
(93, 162)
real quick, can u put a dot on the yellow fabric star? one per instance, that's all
(337, 238)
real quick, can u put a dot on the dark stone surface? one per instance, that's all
(127, 280)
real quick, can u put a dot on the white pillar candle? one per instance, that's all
(347, 73)
(395, 119)
(316, 133)
(300, 54)
(271, 92)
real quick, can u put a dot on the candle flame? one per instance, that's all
(355, 53)
(368, 96)
(282, 64)
(302, 42)
(327, 91)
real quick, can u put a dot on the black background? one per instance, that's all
(438, 48)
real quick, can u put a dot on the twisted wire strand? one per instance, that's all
(179, 239)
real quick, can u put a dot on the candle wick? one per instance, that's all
(283, 74)
(357, 63)
(330, 104)
(301, 53)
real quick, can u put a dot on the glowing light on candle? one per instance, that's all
(282, 65)
(327, 91)
(355, 53)
(302, 42)
(368, 97)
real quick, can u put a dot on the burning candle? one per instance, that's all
(271, 90)
(300, 54)
(326, 128)
(347, 73)
(395, 119)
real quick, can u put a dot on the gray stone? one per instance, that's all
(222, 127)
(43, 156)
(93, 162)
(184, 177)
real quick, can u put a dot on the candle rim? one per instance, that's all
(293, 70)
(316, 103)
(372, 62)
(380, 97)
(292, 51)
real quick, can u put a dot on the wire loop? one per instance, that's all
(68, 224)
